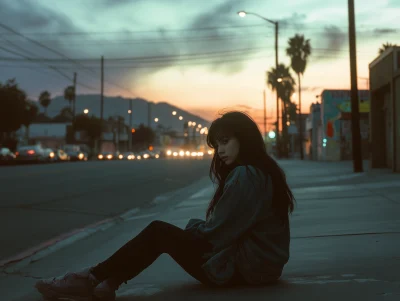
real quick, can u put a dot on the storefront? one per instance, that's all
(385, 110)
(336, 138)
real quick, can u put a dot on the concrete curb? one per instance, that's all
(44, 249)
(17, 262)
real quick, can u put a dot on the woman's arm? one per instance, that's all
(243, 203)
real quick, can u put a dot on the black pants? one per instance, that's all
(157, 238)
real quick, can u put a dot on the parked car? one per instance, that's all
(49, 154)
(129, 156)
(6, 156)
(106, 156)
(61, 156)
(75, 152)
(30, 153)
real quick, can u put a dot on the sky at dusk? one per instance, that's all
(198, 55)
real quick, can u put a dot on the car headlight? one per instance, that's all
(169, 153)
(157, 156)
(121, 156)
(100, 157)
(52, 155)
(109, 157)
(81, 156)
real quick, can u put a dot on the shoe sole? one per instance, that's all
(49, 294)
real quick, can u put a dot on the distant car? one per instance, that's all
(61, 156)
(145, 155)
(31, 153)
(50, 155)
(129, 156)
(75, 152)
(6, 156)
(106, 156)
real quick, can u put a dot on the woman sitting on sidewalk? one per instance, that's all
(244, 239)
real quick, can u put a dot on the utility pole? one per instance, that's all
(149, 114)
(265, 117)
(300, 118)
(74, 101)
(102, 101)
(130, 125)
(355, 113)
(278, 144)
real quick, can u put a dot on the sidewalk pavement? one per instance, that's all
(345, 244)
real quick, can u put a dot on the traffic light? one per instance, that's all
(133, 131)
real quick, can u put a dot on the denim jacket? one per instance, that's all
(246, 234)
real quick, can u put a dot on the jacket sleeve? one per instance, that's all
(193, 224)
(237, 210)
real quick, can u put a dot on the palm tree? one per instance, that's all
(29, 115)
(45, 100)
(385, 46)
(69, 94)
(299, 50)
(281, 81)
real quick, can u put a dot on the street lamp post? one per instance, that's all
(130, 125)
(276, 24)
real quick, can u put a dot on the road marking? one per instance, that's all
(202, 193)
(140, 216)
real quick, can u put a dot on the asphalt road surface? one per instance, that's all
(40, 202)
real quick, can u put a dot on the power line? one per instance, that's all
(284, 26)
(139, 58)
(168, 64)
(71, 33)
(54, 51)
(35, 42)
(47, 66)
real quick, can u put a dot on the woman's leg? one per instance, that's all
(156, 239)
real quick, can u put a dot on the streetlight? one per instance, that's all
(180, 118)
(155, 119)
(276, 24)
(174, 113)
(129, 111)
(86, 111)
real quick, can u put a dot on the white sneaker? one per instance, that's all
(105, 291)
(75, 286)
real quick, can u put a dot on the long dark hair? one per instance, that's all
(252, 151)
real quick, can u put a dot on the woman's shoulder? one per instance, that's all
(245, 173)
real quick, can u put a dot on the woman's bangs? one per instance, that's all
(218, 131)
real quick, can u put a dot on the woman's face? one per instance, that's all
(228, 149)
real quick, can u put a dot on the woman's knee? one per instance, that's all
(157, 224)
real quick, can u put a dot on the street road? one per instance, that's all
(39, 202)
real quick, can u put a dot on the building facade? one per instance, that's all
(384, 74)
(334, 138)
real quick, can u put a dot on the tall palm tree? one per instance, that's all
(299, 50)
(45, 100)
(29, 115)
(385, 46)
(69, 94)
(281, 81)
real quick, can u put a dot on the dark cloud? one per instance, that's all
(332, 40)
(220, 17)
(26, 16)
(294, 21)
(380, 31)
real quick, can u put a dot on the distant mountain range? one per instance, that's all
(119, 106)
